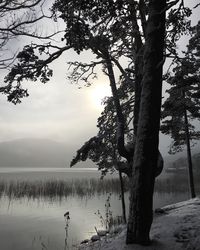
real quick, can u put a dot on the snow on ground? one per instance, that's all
(175, 227)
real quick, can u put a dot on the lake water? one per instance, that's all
(29, 222)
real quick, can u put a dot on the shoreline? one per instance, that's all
(175, 227)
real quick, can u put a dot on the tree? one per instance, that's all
(110, 29)
(145, 156)
(135, 238)
(183, 104)
(102, 149)
(19, 19)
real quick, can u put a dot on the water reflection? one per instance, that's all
(32, 218)
(39, 223)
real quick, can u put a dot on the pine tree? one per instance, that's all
(112, 30)
(182, 106)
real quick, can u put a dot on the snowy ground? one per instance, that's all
(176, 227)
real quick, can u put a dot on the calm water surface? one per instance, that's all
(34, 224)
(47, 173)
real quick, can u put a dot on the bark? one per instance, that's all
(138, 87)
(146, 151)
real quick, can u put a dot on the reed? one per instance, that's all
(58, 188)
(175, 183)
(86, 187)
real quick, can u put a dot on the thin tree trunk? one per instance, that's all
(120, 117)
(146, 150)
(122, 196)
(121, 126)
(138, 47)
(189, 157)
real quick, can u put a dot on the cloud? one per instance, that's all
(56, 110)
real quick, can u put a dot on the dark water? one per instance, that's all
(28, 223)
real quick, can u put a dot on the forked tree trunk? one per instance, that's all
(146, 150)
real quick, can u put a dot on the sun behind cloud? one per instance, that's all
(98, 92)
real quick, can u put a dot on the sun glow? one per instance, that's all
(98, 93)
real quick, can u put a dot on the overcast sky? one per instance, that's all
(58, 110)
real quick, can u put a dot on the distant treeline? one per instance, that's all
(180, 165)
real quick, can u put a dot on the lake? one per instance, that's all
(34, 201)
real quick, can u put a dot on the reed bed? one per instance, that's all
(59, 188)
(177, 183)
(86, 187)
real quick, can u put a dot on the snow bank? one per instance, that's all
(175, 227)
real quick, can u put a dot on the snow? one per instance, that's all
(175, 227)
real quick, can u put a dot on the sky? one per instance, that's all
(59, 110)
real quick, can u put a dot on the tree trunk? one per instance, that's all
(138, 48)
(138, 87)
(146, 150)
(122, 196)
(120, 117)
(189, 157)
